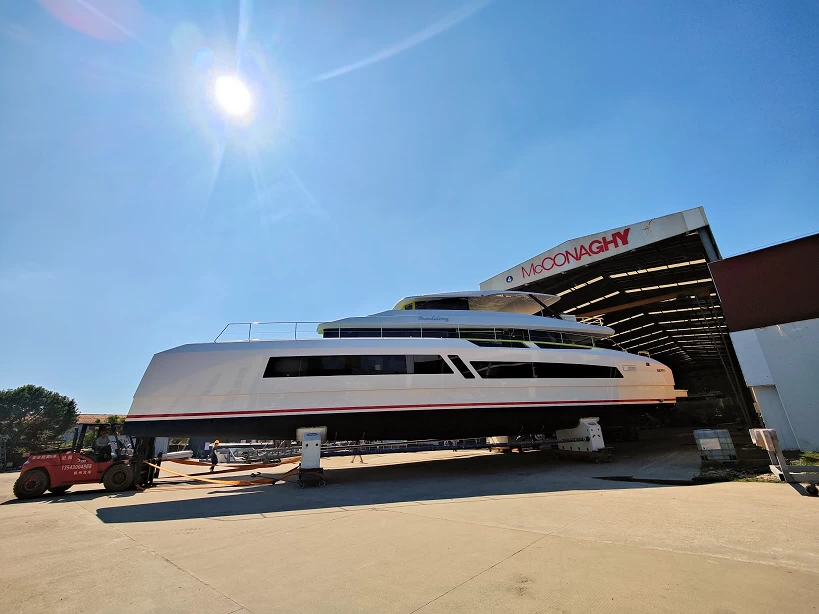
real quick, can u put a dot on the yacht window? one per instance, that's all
(440, 333)
(545, 337)
(491, 338)
(477, 334)
(383, 365)
(323, 366)
(557, 370)
(428, 365)
(503, 370)
(401, 332)
(285, 366)
(461, 366)
(548, 370)
(328, 365)
(330, 333)
(448, 304)
(360, 332)
(512, 334)
(578, 340)
(493, 343)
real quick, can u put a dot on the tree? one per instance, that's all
(34, 418)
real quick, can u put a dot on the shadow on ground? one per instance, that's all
(661, 458)
(426, 481)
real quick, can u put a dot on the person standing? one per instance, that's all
(359, 450)
(213, 458)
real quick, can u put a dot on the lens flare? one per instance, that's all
(232, 95)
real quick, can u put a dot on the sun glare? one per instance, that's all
(232, 95)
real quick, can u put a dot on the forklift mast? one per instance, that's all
(144, 475)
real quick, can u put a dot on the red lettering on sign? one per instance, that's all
(621, 236)
(609, 243)
(597, 246)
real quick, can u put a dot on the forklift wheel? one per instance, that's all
(812, 490)
(58, 490)
(118, 478)
(31, 484)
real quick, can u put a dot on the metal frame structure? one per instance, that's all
(424, 445)
(659, 298)
(234, 331)
(792, 474)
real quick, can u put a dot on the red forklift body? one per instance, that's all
(67, 468)
(58, 470)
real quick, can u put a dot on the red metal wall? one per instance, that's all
(774, 285)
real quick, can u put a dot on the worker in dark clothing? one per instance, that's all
(102, 444)
(213, 458)
(359, 451)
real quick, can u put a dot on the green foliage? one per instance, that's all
(90, 436)
(34, 418)
(117, 420)
(807, 458)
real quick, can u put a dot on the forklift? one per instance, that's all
(118, 466)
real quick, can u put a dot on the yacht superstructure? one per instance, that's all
(465, 364)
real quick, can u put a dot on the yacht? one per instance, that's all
(453, 365)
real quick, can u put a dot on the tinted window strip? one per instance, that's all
(543, 370)
(461, 366)
(355, 364)
(497, 343)
(559, 346)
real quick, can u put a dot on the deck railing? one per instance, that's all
(267, 331)
(270, 331)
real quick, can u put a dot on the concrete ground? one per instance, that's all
(429, 532)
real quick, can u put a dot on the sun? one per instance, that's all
(232, 95)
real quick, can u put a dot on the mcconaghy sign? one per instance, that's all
(592, 248)
(576, 254)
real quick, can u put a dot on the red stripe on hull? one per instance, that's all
(255, 412)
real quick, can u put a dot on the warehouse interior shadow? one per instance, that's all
(408, 482)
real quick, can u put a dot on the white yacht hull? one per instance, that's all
(219, 389)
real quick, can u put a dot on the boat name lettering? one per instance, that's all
(432, 319)
(597, 246)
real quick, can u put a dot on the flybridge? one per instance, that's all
(596, 246)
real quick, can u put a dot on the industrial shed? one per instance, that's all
(650, 282)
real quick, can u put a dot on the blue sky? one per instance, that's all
(396, 148)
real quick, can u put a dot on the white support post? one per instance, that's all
(586, 427)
